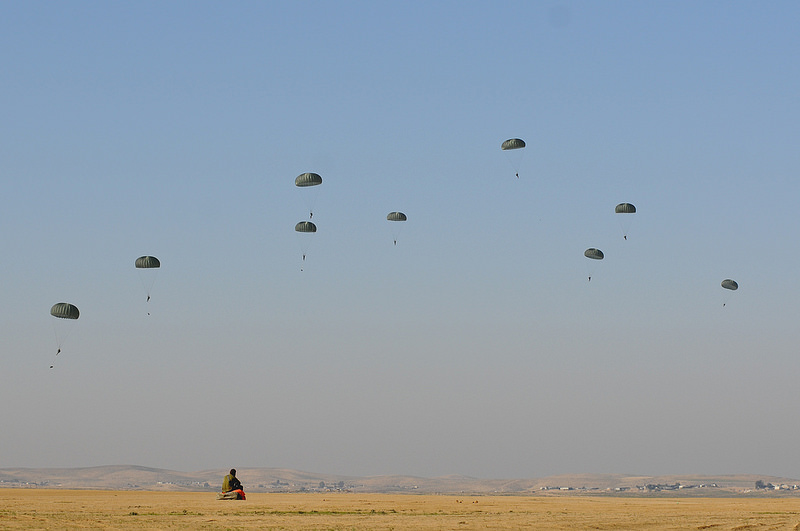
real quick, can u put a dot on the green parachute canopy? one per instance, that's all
(147, 262)
(308, 179)
(512, 143)
(594, 254)
(625, 208)
(730, 284)
(396, 216)
(305, 226)
(64, 310)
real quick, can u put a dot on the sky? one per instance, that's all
(477, 344)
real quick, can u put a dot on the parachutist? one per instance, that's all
(395, 217)
(512, 144)
(151, 264)
(58, 352)
(310, 215)
(590, 279)
(625, 237)
(304, 257)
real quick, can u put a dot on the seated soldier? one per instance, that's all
(232, 486)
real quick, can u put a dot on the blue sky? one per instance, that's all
(474, 346)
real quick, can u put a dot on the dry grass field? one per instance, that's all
(93, 509)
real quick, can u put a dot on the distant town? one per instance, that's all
(659, 487)
(279, 486)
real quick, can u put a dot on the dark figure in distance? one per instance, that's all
(232, 484)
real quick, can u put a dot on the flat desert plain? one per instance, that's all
(95, 509)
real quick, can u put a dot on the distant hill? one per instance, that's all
(130, 477)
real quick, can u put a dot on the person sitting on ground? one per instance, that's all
(232, 486)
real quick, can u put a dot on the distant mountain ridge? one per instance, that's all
(132, 477)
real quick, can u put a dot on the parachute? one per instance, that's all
(396, 216)
(592, 254)
(625, 208)
(305, 227)
(308, 179)
(728, 284)
(512, 143)
(67, 311)
(516, 158)
(148, 278)
(625, 222)
(304, 180)
(147, 262)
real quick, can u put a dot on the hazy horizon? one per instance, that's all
(476, 345)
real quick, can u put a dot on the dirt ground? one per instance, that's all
(90, 509)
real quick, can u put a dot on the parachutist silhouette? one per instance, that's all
(395, 242)
(148, 298)
(518, 176)
(625, 237)
(304, 257)
(590, 279)
(58, 352)
(310, 215)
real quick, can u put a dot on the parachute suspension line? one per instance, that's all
(58, 346)
(515, 160)
(148, 287)
(60, 338)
